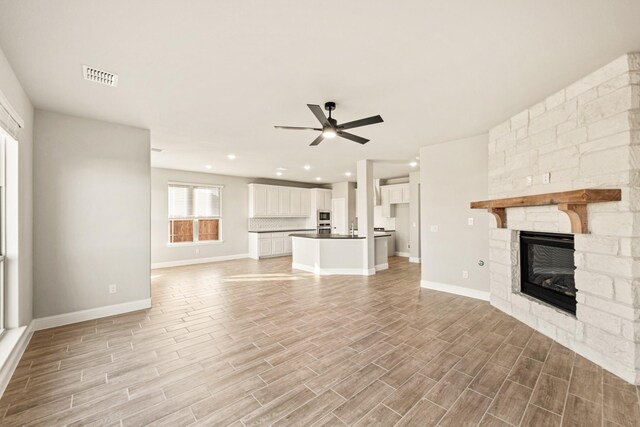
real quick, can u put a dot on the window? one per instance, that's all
(3, 138)
(195, 213)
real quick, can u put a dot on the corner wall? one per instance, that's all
(91, 214)
(452, 174)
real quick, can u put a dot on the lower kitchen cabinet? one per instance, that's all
(264, 245)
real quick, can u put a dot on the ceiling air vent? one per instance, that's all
(99, 76)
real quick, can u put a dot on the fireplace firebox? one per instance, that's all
(547, 269)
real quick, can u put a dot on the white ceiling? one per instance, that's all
(211, 78)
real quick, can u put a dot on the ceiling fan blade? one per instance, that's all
(352, 137)
(318, 140)
(317, 111)
(362, 122)
(296, 128)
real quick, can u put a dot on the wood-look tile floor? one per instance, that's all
(247, 343)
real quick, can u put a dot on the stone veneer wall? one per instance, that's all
(587, 136)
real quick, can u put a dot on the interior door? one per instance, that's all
(338, 216)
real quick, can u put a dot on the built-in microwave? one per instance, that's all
(324, 216)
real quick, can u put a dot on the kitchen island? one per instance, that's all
(326, 254)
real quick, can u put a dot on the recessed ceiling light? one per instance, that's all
(307, 167)
(413, 164)
(281, 169)
(208, 166)
(231, 156)
(279, 173)
(318, 178)
(417, 157)
(348, 173)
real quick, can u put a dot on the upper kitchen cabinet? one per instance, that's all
(320, 199)
(275, 201)
(394, 194)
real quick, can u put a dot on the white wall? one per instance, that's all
(91, 214)
(414, 216)
(402, 228)
(452, 174)
(235, 210)
(20, 262)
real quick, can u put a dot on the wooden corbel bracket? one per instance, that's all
(573, 203)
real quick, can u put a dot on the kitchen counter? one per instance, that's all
(335, 236)
(337, 254)
(283, 231)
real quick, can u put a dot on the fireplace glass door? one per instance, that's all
(547, 269)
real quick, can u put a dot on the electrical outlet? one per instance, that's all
(465, 274)
(434, 228)
(529, 181)
(546, 178)
(197, 251)
(113, 289)
(470, 221)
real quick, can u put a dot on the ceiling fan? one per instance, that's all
(330, 127)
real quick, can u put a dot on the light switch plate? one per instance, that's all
(470, 221)
(529, 181)
(546, 178)
(434, 228)
(465, 274)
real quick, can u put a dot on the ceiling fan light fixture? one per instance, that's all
(329, 133)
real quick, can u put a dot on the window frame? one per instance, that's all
(195, 220)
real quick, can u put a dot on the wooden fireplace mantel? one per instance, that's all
(573, 203)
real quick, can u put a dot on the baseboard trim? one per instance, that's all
(454, 289)
(334, 271)
(195, 261)
(90, 314)
(403, 254)
(381, 267)
(414, 259)
(14, 343)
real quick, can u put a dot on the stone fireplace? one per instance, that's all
(584, 136)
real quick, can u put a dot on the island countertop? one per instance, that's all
(334, 236)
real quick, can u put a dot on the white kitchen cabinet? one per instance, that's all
(395, 194)
(257, 200)
(277, 245)
(327, 199)
(264, 247)
(305, 203)
(273, 203)
(320, 199)
(284, 201)
(385, 202)
(295, 202)
(406, 195)
(266, 201)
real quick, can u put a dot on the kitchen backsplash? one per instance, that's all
(265, 224)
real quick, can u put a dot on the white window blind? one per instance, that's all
(207, 202)
(180, 201)
(193, 201)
